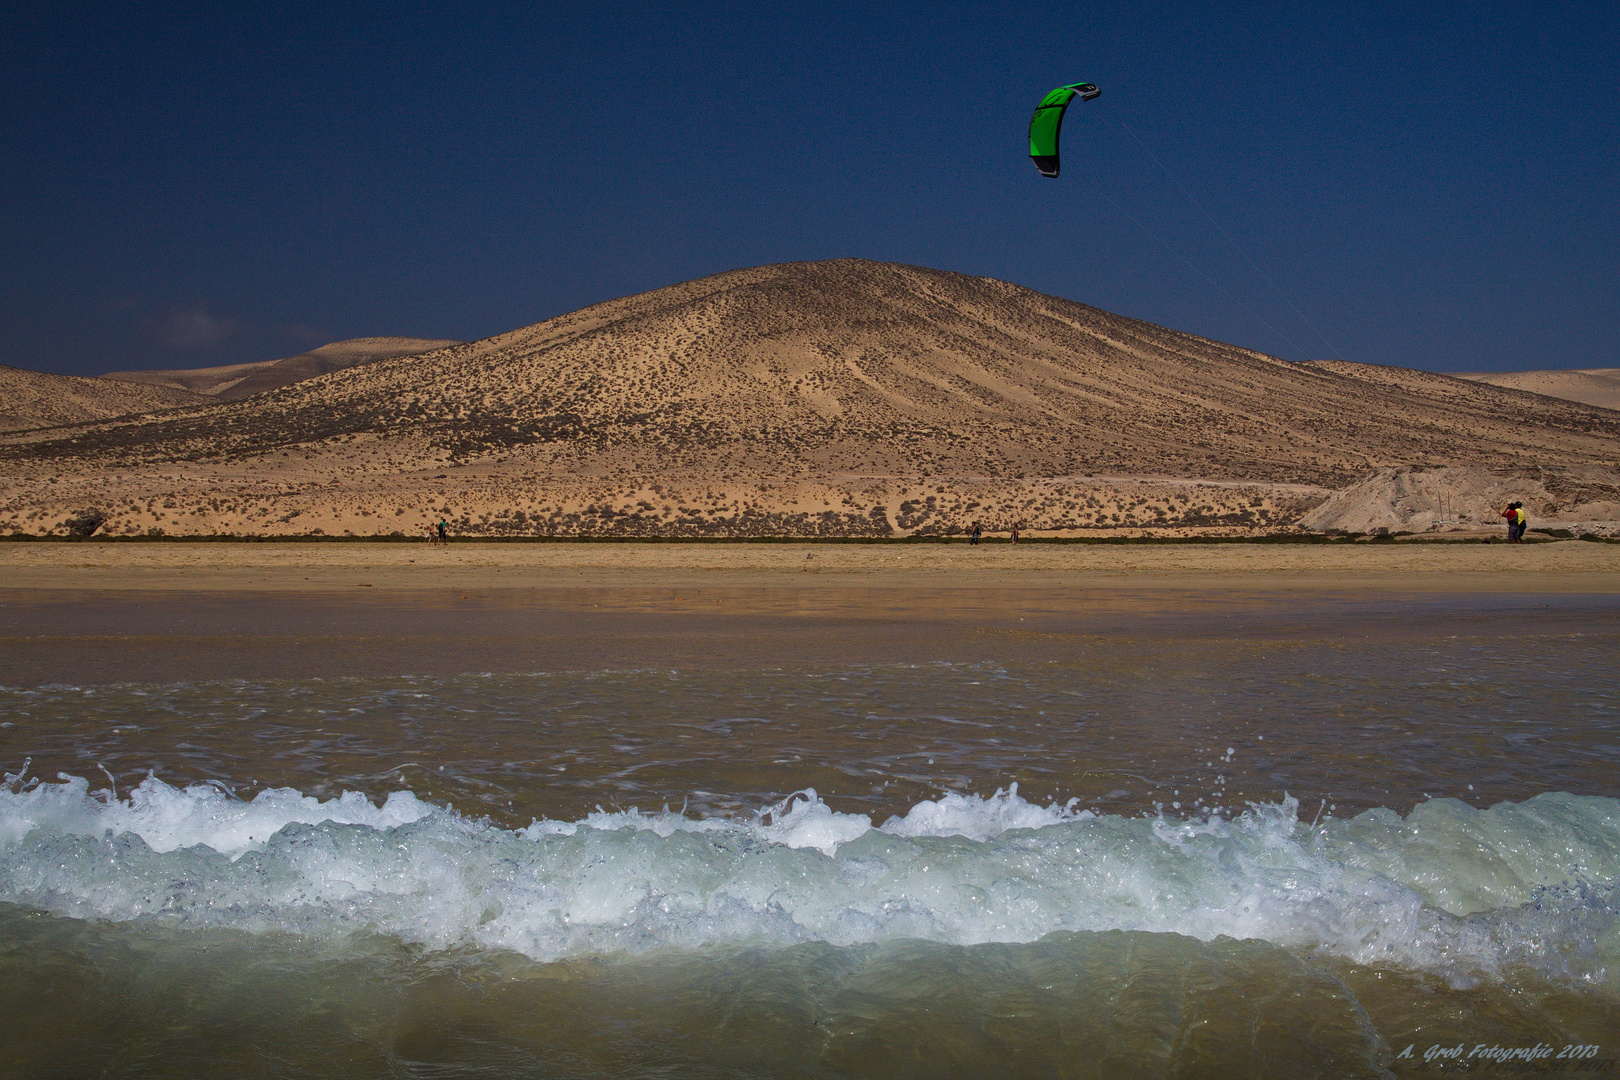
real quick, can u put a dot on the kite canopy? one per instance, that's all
(1048, 119)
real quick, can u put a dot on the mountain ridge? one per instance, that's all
(233, 382)
(1591, 386)
(821, 383)
(38, 399)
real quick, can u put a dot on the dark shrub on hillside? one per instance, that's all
(85, 522)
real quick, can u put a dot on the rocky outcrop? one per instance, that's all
(1578, 499)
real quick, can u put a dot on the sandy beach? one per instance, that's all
(1559, 567)
(98, 613)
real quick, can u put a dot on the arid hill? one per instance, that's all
(1591, 386)
(236, 381)
(811, 398)
(35, 399)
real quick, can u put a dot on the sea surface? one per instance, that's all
(1320, 855)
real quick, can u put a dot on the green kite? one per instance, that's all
(1048, 119)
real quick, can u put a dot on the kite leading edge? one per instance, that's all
(1048, 119)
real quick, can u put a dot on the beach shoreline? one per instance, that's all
(1562, 567)
(137, 613)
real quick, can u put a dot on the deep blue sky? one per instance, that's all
(1430, 186)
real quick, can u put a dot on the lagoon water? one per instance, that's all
(1131, 855)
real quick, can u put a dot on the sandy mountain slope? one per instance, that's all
(1592, 386)
(34, 399)
(233, 382)
(843, 397)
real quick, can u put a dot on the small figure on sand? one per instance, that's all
(973, 536)
(1015, 534)
(1517, 519)
(444, 531)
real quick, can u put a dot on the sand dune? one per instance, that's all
(233, 382)
(34, 399)
(836, 398)
(1592, 386)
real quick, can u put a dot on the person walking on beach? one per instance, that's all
(1522, 521)
(973, 537)
(444, 531)
(1015, 534)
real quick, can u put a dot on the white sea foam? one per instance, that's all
(802, 820)
(1450, 888)
(169, 818)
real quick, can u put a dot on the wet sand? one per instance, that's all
(83, 613)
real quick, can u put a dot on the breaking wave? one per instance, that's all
(1450, 889)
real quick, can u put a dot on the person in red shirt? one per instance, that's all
(1516, 520)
